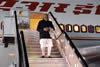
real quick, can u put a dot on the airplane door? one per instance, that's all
(34, 20)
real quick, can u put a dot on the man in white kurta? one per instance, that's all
(45, 39)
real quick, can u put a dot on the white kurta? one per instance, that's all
(46, 43)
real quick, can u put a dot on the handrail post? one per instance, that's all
(24, 50)
(18, 40)
(23, 59)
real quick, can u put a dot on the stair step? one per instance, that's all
(36, 43)
(40, 53)
(48, 65)
(32, 43)
(31, 36)
(30, 51)
(35, 49)
(28, 33)
(38, 56)
(31, 31)
(37, 46)
(53, 48)
(36, 52)
(32, 40)
(46, 60)
(39, 50)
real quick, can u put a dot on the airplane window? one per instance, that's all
(83, 28)
(62, 26)
(91, 29)
(76, 28)
(69, 28)
(97, 28)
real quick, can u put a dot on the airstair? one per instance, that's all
(34, 52)
(64, 52)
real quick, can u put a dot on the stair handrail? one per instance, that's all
(24, 49)
(23, 61)
(58, 36)
(71, 43)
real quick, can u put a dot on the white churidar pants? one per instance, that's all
(46, 43)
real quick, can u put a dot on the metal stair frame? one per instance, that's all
(67, 50)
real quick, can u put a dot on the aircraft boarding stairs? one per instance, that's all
(60, 57)
(34, 52)
(64, 52)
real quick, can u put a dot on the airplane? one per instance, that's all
(77, 31)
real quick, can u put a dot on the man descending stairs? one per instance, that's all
(34, 52)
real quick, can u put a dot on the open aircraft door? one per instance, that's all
(66, 47)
